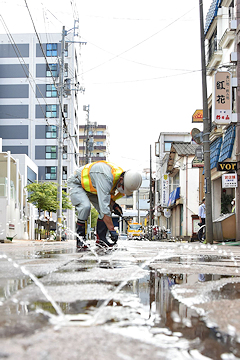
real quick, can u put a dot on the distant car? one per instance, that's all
(122, 236)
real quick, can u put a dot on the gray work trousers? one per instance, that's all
(82, 200)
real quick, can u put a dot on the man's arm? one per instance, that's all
(108, 221)
(200, 213)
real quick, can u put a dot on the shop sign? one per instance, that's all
(229, 180)
(167, 213)
(11, 226)
(197, 116)
(197, 163)
(165, 189)
(227, 166)
(222, 97)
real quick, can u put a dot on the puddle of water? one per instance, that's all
(43, 254)
(11, 286)
(77, 307)
(186, 259)
(154, 293)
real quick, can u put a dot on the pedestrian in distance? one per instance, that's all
(202, 214)
(100, 183)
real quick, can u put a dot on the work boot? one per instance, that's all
(101, 234)
(81, 237)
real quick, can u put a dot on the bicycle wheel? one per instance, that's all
(202, 233)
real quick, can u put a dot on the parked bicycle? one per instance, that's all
(202, 233)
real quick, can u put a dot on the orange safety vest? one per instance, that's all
(87, 183)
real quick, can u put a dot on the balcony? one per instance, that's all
(214, 56)
(227, 38)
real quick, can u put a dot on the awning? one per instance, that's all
(211, 14)
(227, 145)
(215, 148)
(174, 195)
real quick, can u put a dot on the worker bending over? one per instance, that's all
(100, 183)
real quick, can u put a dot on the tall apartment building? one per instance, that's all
(93, 143)
(30, 104)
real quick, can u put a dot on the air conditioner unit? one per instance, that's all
(233, 57)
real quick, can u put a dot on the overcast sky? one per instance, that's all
(141, 67)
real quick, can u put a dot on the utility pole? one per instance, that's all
(60, 139)
(237, 201)
(86, 108)
(89, 137)
(151, 202)
(138, 206)
(206, 133)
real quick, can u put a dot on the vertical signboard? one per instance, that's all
(165, 190)
(222, 97)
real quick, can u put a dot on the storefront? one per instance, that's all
(223, 165)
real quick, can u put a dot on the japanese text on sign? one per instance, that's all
(229, 180)
(223, 103)
(165, 189)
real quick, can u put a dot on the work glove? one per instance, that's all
(117, 209)
(114, 235)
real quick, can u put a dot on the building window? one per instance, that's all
(51, 132)
(212, 44)
(52, 70)
(66, 49)
(51, 49)
(167, 145)
(99, 143)
(64, 152)
(31, 176)
(99, 132)
(65, 110)
(51, 111)
(51, 173)
(51, 91)
(99, 154)
(174, 182)
(51, 152)
(66, 70)
(64, 173)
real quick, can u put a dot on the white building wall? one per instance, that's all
(161, 166)
(30, 210)
(12, 199)
(189, 194)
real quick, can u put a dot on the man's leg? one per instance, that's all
(101, 234)
(82, 204)
(81, 234)
(101, 226)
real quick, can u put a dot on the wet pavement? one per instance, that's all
(154, 300)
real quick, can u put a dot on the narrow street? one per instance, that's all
(156, 300)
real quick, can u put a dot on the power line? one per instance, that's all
(149, 79)
(137, 62)
(141, 42)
